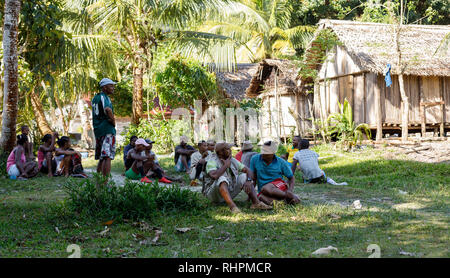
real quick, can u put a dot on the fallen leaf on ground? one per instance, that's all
(106, 230)
(357, 204)
(225, 236)
(57, 230)
(138, 236)
(334, 216)
(269, 253)
(324, 251)
(407, 254)
(401, 192)
(209, 227)
(158, 233)
(183, 230)
(76, 224)
(107, 223)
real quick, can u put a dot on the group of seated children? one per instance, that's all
(141, 162)
(52, 161)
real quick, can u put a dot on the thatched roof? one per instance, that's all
(372, 45)
(261, 80)
(234, 84)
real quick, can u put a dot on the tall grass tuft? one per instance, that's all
(132, 201)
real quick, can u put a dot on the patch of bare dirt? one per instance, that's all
(428, 152)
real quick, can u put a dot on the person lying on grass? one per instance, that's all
(198, 163)
(152, 166)
(309, 165)
(46, 162)
(68, 161)
(17, 165)
(226, 177)
(268, 170)
(183, 154)
(143, 165)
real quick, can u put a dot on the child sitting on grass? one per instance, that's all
(309, 165)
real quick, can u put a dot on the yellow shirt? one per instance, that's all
(291, 155)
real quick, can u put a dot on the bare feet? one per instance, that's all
(260, 206)
(235, 210)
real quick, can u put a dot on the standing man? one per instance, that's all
(104, 126)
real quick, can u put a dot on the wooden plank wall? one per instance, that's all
(432, 93)
(359, 91)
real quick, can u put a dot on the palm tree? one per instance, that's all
(10, 60)
(263, 27)
(138, 27)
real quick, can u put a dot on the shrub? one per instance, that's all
(132, 201)
(159, 130)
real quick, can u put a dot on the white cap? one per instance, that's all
(106, 81)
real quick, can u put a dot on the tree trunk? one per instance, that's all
(11, 89)
(83, 110)
(138, 76)
(41, 121)
(401, 69)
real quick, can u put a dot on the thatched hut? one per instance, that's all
(234, 83)
(286, 108)
(354, 70)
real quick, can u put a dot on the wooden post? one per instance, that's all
(422, 108)
(423, 120)
(378, 111)
(443, 119)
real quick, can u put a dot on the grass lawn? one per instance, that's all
(415, 222)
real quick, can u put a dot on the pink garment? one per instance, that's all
(12, 159)
(41, 157)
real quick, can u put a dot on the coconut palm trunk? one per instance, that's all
(41, 121)
(138, 80)
(11, 89)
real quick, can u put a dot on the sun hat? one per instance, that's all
(106, 81)
(221, 145)
(184, 139)
(247, 145)
(141, 141)
(269, 147)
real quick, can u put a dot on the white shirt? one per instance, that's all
(309, 163)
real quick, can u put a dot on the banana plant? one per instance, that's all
(342, 124)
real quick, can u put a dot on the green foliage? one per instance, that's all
(344, 127)
(255, 103)
(158, 130)
(183, 81)
(324, 42)
(123, 97)
(132, 201)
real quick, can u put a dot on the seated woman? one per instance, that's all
(68, 160)
(17, 164)
(46, 162)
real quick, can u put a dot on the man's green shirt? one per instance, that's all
(99, 117)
